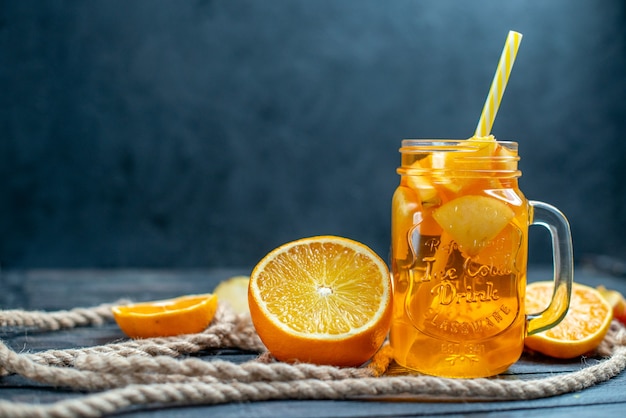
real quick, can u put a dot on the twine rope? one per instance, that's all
(152, 372)
(226, 330)
(53, 321)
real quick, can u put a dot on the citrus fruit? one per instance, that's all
(583, 328)
(472, 221)
(234, 291)
(321, 300)
(617, 301)
(486, 146)
(472, 152)
(422, 186)
(405, 205)
(164, 318)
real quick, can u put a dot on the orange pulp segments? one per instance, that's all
(583, 328)
(322, 300)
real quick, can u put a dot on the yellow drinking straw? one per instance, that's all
(498, 84)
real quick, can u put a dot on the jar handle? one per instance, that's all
(563, 261)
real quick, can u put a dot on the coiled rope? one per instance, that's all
(158, 371)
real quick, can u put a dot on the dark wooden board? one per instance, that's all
(56, 289)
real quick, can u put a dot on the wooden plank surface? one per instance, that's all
(58, 289)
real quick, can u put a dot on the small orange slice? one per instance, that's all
(234, 291)
(321, 300)
(405, 204)
(165, 318)
(583, 328)
(617, 301)
(422, 186)
(473, 221)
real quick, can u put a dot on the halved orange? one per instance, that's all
(164, 318)
(321, 300)
(580, 332)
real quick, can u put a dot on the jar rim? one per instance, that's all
(453, 140)
(443, 145)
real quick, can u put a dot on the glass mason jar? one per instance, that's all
(458, 257)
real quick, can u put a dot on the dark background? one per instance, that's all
(205, 133)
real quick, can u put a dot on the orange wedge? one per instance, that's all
(422, 186)
(321, 300)
(580, 332)
(234, 291)
(473, 221)
(617, 301)
(405, 204)
(165, 318)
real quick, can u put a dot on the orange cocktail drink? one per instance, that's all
(459, 254)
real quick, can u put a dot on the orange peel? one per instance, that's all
(188, 314)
